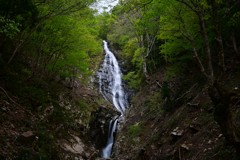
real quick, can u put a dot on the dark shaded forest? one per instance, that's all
(48, 47)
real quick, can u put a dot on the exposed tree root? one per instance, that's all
(18, 105)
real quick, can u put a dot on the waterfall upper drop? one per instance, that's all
(111, 87)
(110, 82)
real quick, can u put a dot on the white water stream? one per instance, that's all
(110, 85)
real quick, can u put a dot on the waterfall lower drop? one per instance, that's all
(108, 149)
(110, 86)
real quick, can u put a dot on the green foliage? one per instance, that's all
(134, 80)
(180, 35)
(155, 103)
(55, 41)
(36, 93)
(234, 21)
(24, 13)
(165, 91)
(61, 45)
(172, 71)
(129, 49)
(177, 49)
(137, 60)
(45, 144)
(105, 21)
(9, 27)
(135, 130)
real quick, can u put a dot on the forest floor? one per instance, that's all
(40, 120)
(48, 131)
(179, 129)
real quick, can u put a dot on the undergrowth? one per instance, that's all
(135, 130)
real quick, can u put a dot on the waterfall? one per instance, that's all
(108, 149)
(110, 86)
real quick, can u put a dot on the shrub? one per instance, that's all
(135, 130)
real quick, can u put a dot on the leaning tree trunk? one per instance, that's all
(206, 46)
(218, 36)
(222, 114)
(144, 65)
(220, 97)
(235, 45)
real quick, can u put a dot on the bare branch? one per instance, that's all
(12, 100)
(229, 9)
(158, 84)
(19, 45)
(186, 92)
(187, 4)
(68, 10)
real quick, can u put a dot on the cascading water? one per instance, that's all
(108, 149)
(110, 86)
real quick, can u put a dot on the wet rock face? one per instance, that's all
(98, 131)
(109, 83)
(78, 148)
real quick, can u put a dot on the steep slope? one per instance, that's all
(175, 121)
(72, 124)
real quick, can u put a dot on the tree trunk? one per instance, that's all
(223, 116)
(145, 72)
(218, 36)
(220, 97)
(19, 45)
(235, 45)
(165, 57)
(206, 47)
